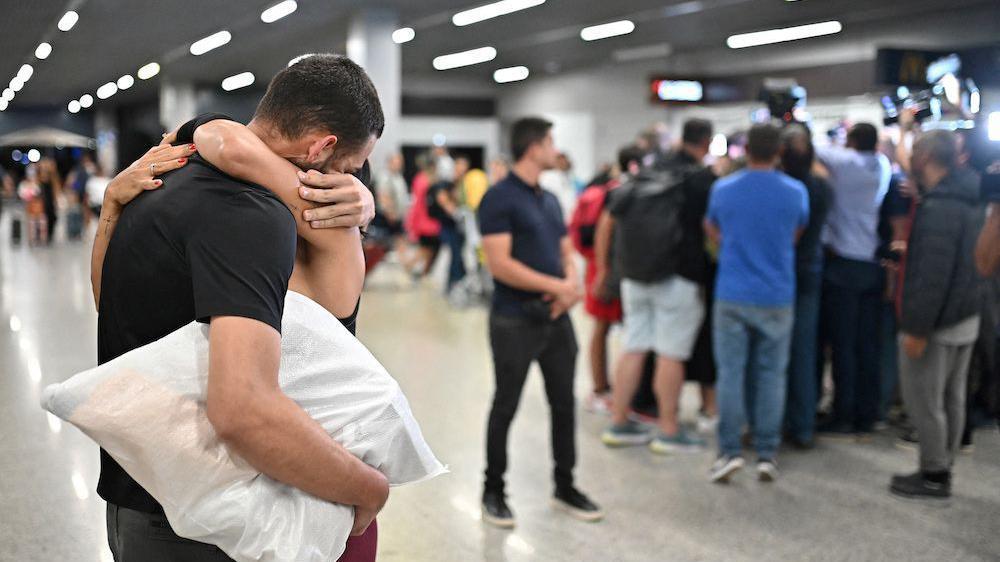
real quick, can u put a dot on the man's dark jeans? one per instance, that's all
(853, 300)
(516, 343)
(803, 391)
(455, 239)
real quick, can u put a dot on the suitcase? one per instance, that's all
(15, 230)
(74, 224)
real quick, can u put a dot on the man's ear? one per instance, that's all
(322, 145)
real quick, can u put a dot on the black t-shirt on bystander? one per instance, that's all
(203, 245)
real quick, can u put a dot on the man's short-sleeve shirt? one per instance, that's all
(203, 245)
(534, 220)
(758, 213)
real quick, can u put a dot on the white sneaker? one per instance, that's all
(767, 471)
(707, 424)
(724, 468)
(598, 403)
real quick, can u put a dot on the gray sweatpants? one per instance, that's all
(933, 389)
(143, 537)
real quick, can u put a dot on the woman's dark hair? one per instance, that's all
(797, 152)
(527, 132)
(328, 93)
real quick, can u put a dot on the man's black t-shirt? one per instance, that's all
(203, 245)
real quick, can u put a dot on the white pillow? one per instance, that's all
(147, 410)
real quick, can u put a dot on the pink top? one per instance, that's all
(419, 222)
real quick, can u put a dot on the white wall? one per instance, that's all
(597, 111)
(479, 131)
(601, 109)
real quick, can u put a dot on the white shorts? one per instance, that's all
(664, 317)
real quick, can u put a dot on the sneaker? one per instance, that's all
(707, 424)
(799, 444)
(626, 434)
(724, 468)
(496, 512)
(598, 403)
(836, 432)
(682, 442)
(918, 486)
(646, 418)
(908, 440)
(767, 470)
(966, 447)
(573, 502)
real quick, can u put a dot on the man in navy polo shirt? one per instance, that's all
(531, 258)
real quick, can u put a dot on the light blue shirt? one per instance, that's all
(758, 213)
(859, 182)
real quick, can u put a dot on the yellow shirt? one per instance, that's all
(475, 183)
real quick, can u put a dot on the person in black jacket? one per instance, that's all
(797, 156)
(939, 311)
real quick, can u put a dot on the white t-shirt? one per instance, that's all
(96, 186)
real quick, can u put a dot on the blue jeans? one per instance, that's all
(455, 239)
(800, 409)
(853, 295)
(751, 345)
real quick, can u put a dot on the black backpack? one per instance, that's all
(434, 209)
(649, 226)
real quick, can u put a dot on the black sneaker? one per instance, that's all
(799, 444)
(496, 512)
(908, 440)
(573, 501)
(919, 486)
(836, 431)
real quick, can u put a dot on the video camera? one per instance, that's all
(947, 98)
(783, 97)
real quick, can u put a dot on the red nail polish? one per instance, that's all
(182, 160)
(192, 147)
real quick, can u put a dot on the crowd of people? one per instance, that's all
(766, 279)
(44, 194)
(790, 278)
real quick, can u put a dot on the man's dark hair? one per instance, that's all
(763, 142)
(697, 131)
(938, 146)
(327, 93)
(627, 155)
(863, 137)
(527, 132)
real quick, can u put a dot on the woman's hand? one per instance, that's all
(141, 175)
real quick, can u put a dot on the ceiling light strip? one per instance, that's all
(465, 58)
(493, 10)
(757, 38)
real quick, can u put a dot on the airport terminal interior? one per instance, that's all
(788, 350)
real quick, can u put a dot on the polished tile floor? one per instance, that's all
(830, 504)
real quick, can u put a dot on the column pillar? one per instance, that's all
(369, 43)
(177, 104)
